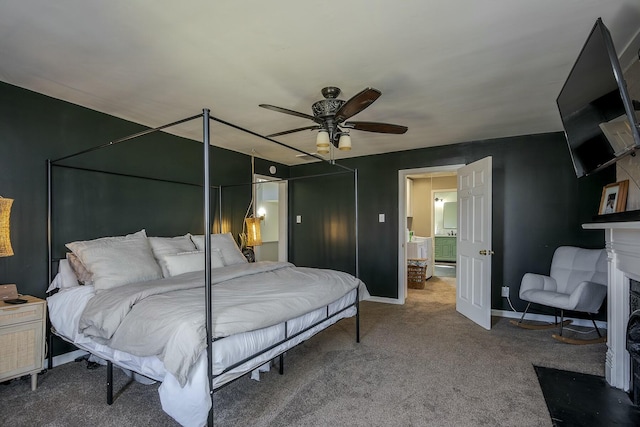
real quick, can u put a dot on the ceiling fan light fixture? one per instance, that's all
(329, 115)
(344, 143)
(322, 140)
(322, 150)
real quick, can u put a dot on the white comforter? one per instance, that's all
(166, 317)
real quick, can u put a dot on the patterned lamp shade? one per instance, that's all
(253, 232)
(5, 241)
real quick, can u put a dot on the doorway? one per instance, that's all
(417, 221)
(271, 208)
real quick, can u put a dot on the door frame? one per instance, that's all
(402, 222)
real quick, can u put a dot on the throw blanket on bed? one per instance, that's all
(166, 317)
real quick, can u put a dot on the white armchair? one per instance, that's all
(577, 282)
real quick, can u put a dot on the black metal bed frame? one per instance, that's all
(207, 219)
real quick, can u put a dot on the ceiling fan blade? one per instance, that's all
(376, 127)
(287, 111)
(294, 130)
(357, 103)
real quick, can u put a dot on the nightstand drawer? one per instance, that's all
(12, 315)
(21, 349)
(22, 339)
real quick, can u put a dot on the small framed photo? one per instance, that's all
(614, 198)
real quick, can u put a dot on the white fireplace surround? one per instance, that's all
(623, 249)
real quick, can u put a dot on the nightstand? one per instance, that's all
(22, 339)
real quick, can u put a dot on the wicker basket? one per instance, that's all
(416, 273)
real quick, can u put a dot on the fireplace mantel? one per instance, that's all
(623, 249)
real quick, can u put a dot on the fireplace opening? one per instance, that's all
(633, 339)
(633, 347)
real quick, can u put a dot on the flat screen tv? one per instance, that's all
(599, 120)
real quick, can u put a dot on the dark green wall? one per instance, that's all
(34, 127)
(326, 236)
(538, 204)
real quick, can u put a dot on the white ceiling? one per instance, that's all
(452, 71)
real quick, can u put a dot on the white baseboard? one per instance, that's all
(547, 318)
(512, 314)
(61, 359)
(384, 300)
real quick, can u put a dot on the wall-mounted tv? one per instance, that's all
(599, 120)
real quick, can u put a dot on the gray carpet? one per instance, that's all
(421, 364)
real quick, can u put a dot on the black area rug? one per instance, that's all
(575, 399)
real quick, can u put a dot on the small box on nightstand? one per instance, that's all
(22, 339)
(8, 292)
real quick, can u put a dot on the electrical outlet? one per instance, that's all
(505, 291)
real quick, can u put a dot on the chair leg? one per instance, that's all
(525, 312)
(594, 325)
(561, 321)
(520, 323)
(598, 340)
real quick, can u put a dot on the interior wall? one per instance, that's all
(324, 236)
(538, 205)
(445, 182)
(421, 223)
(268, 251)
(421, 195)
(34, 127)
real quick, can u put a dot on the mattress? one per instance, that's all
(189, 405)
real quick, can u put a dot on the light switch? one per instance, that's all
(298, 219)
(380, 217)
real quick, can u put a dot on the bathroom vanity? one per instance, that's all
(445, 248)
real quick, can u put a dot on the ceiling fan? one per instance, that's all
(330, 114)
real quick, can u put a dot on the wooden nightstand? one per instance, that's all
(22, 339)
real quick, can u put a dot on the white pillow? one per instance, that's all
(117, 261)
(230, 252)
(162, 246)
(65, 278)
(68, 277)
(80, 271)
(191, 261)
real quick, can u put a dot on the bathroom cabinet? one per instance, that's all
(445, 248)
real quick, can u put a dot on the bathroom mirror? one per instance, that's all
(450, 214)
(445, 215)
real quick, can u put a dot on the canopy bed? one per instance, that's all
(188, 311)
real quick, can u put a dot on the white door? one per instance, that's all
(473, 296)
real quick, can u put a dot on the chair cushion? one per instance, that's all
(550, 298)
(572, 266)
(536, 282)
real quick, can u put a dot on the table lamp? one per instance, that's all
(5, 238)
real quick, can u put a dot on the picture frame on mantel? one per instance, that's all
(614, 198)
